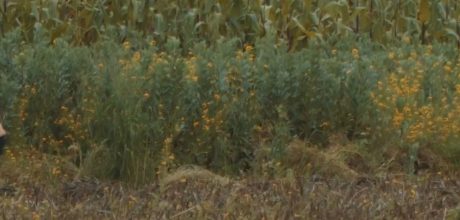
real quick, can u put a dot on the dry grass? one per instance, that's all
(37, 186)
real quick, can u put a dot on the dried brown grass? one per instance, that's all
(191, 192)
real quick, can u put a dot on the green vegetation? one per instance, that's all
(296, 21)
(255, 92)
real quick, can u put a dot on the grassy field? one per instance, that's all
(296, 109)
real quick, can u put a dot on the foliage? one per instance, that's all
(293, 97)
(132, 109)
(298, 22)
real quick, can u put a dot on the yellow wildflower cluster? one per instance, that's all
(396, 87)
(208, 121)
(413, 113)
(72, 122)
(136, 57)
(127, 45)
(157, 59)
(391, 55)
(133, 59)
(248, 51)
(191, 69)
(68, 121)
(355, 53)
(160, 58)
(10, 155)
(403, 85)
(129, 64)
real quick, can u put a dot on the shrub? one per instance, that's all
(137, 110)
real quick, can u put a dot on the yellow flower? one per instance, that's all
(447, 68)
(355, 53)
(168, 141)
(398, 118)
(406, 39)
(391, 55)
(415, 131)
(407, 110)
(248, 48)
(136, 57)
(193, 77)
(126, 45)
(457, 88)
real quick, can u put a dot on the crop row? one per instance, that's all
(296, 21)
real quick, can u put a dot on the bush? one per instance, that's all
(137, 110)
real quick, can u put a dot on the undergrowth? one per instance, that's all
(135, 112)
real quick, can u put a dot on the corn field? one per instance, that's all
(296, 21)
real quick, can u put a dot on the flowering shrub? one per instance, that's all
(134, 111)
(419, 98)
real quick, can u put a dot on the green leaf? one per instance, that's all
(452, 33)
